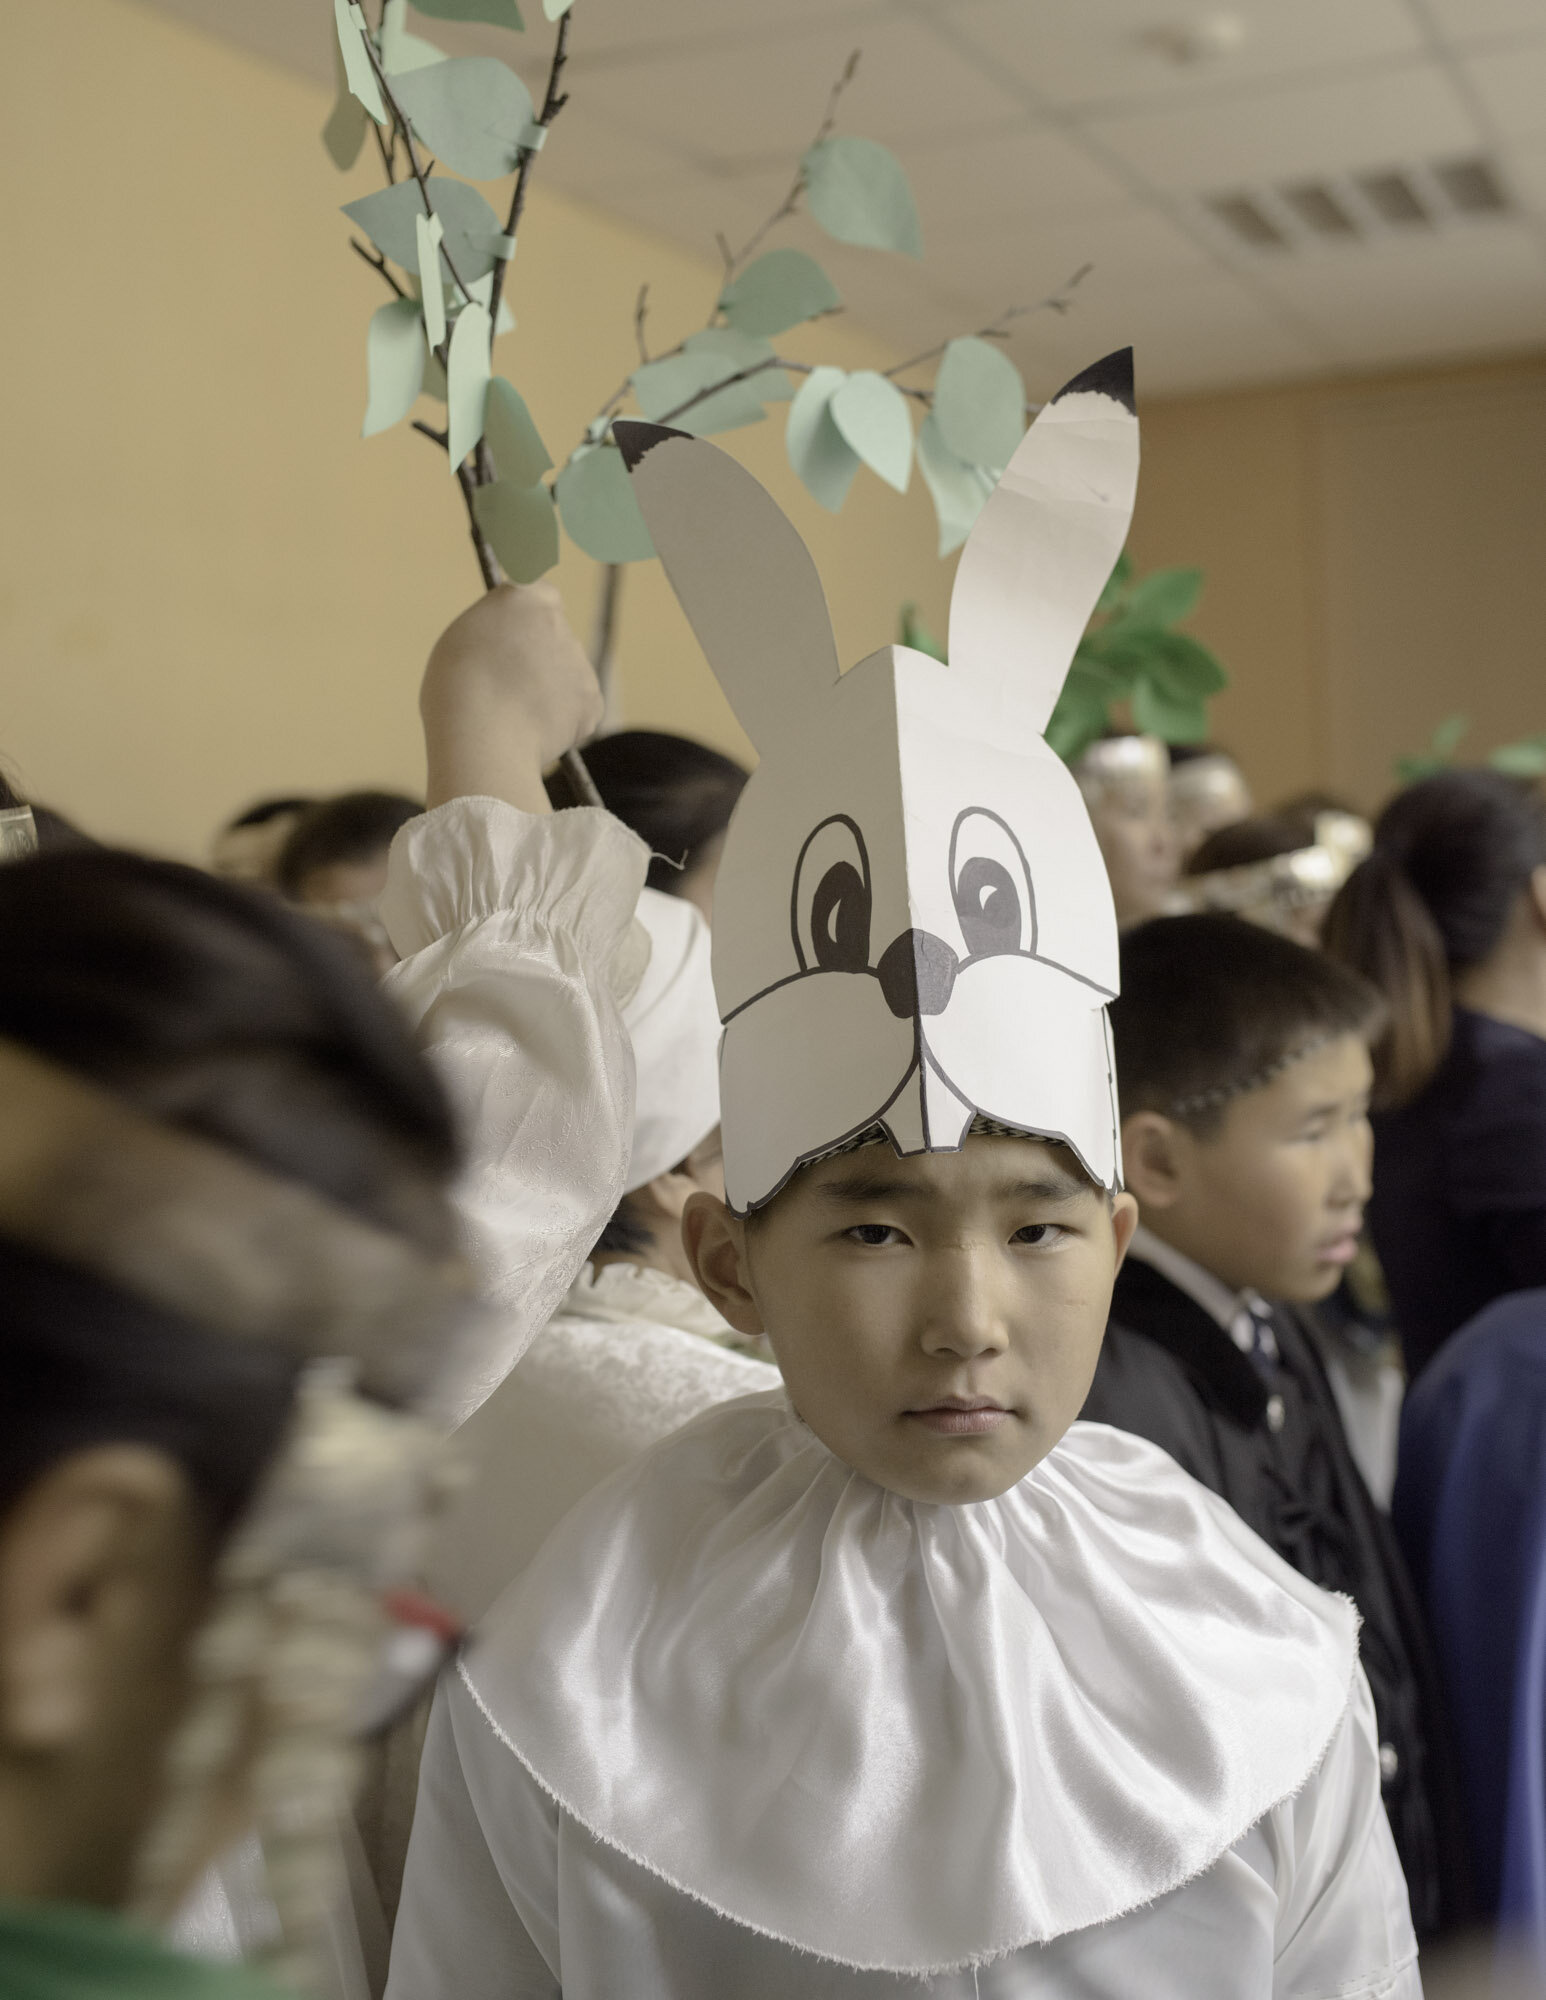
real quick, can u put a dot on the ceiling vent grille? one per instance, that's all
(1362, 206)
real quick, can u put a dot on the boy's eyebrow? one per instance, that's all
(859, 1188)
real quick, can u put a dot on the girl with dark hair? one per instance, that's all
(1447, 917)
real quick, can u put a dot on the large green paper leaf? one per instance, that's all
(599, 508)
(498, 13)
(1080, 715)
(1183, 667)
(467, 380)
(1525, 759)
(818, 451)
(663, 387)
(519, 452)
(1163, 597)
(482, 290)
(1116, 584)
(780, 290)
(959, 490)
(1159, 713)
(521, 526)
(470, 111)
(979, 402)
(394, 360)
(740, 351)
(401, 51)
(872, 415)
(351, 46)
(858, 193)
(387, 218)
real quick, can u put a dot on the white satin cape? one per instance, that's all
(908, 1737)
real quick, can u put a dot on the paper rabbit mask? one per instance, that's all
(912, 922)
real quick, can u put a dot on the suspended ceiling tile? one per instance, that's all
(1409, 112)
(689, 208)
(1477, 20)
(1525, 173)
(1082, 52)
(1006, 177)
(767, 100)
(1512, 85)
(1018, 265)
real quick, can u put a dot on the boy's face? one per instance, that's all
(1274, 1197)
(937, 1318)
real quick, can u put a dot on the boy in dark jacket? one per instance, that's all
(1243, 1066)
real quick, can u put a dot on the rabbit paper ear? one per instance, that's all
(741, 573)
(1047, 540)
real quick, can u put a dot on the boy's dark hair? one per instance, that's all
(264, 810)
(1261, 838)
(1213, 1006)
(354, 827)
(675, 794)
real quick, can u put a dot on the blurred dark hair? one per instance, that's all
(1212, 1007)
(1452, 856)
(1261, 838)
(675, 794)
(215, 1009)
(355, 827)
(265, 810)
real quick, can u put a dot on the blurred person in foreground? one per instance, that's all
(1447, 917)
(1125, 782)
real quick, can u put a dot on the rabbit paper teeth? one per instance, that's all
(912, 923)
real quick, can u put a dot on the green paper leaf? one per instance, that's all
(913, 632)
(1116, 584)
(663, 387)
(554, 8)
(519, 453)
(777, 292)
(482, 289)
(741, 351)
(1163, 597)
(521, 526)
(818, 451)
(1081, 715)
(394, 360)
(1446, 738)
(979, 402)
(498, 13)
(344, 133)
(1158, 713)
(599, 508)
(872, 415)
(428, 234)
(362, 78)
(401, 51)
(959, 490)
(1183, 667)
(1525, 759)
(858, 193)
(467, 380)
(388, 216)
(470, 111)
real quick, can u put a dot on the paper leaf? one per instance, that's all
(741, 351)
(470, 111)
(1081, 715)
(521, 526)
(1447, 737)
(858, 193)
(872, 415)
(498, 13)
(598, 506)
(482, 289)
(394, 360)
(361, 77)
(818, 451)
(428, 233)
(1163, 597)
(1116, 584)
(467, 379)
(387, 218)
(1183, 667)
(663, 387)
(519, 453)
(959, 491)
(778, 291)
(979, 402)
(1158, 713)
(401, 51)
(554, 8)
(1525, 759)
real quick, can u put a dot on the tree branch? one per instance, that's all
(376, 263)
(400, 124)
(791, 200)
(998, 330)
(641, 307)
(553, 101)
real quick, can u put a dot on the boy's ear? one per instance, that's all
(1153, 1159)
(715, 1242)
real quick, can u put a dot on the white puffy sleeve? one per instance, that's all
(518, 949)
(1344, 1931)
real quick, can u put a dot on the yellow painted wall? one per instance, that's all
(210, 588)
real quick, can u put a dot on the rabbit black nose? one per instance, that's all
(916, 972)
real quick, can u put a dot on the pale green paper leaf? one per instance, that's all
(470, 111)
(344, 133)
(519, 453)
(858, 193)
(598, 506)
(979, 402)
(361, 77)
(387, 218)
(394, 360)
(959, 490)
(467, 379)
(401, 51)
(521, 526)
(664, 387)
(498, 13)
(428, 232)
(777, 292)
(818, 451)
(872, 415)
(741, 351)
(554, 8)
(482, 289)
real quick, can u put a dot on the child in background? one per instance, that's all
(895, 1684)
(1243, 1063)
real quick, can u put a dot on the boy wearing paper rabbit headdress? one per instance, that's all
(890, 1681)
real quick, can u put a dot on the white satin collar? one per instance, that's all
(911, 1737)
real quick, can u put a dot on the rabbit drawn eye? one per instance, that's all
(831, 912)
(991, 881)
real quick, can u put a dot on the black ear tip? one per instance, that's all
(1112, 376)
(635, 439)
